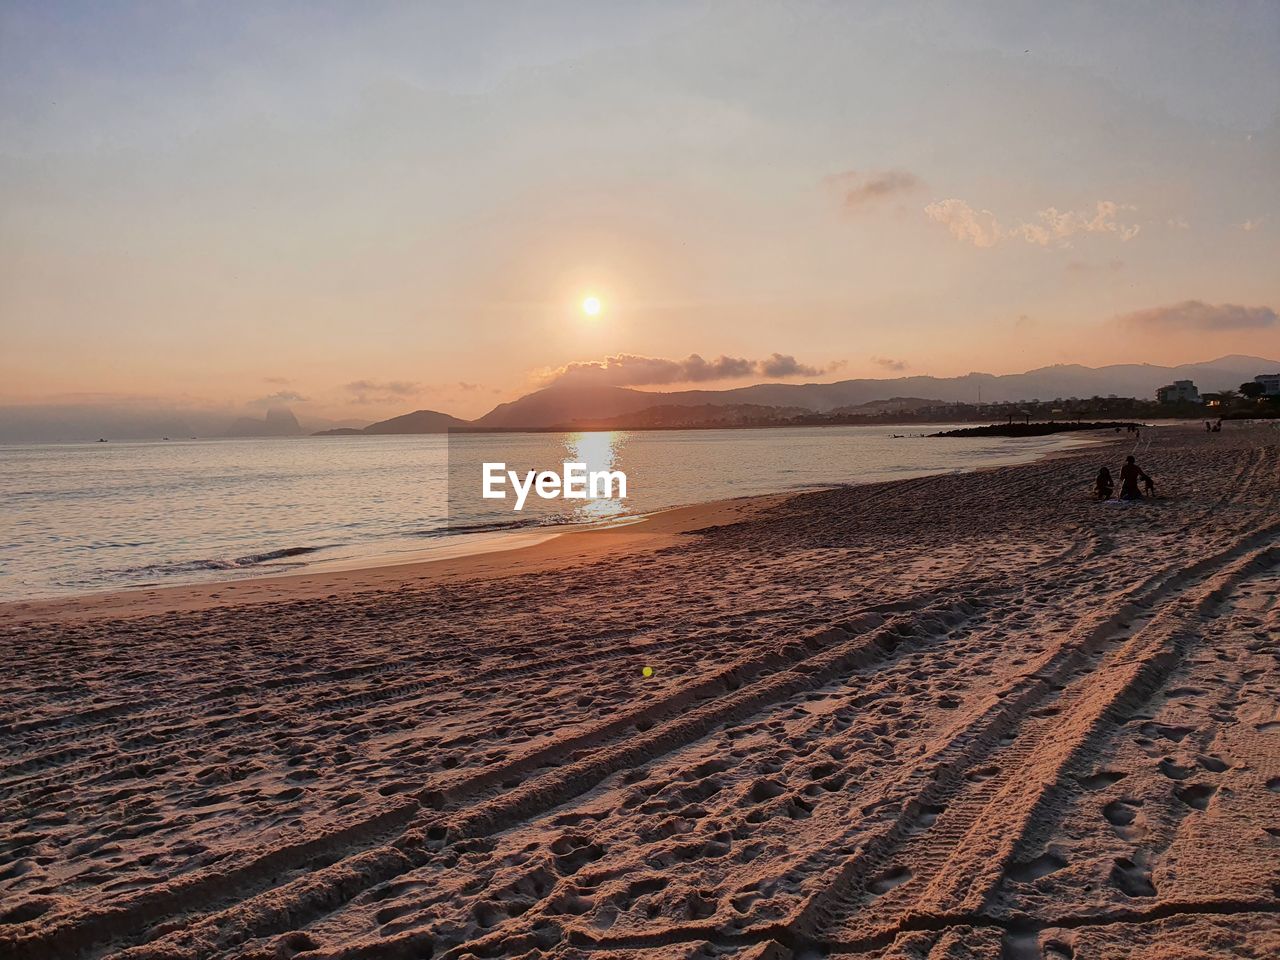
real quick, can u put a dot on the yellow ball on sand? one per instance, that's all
(647, 671)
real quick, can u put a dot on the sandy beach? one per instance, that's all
(966, 716)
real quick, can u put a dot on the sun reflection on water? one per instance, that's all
(599, 450)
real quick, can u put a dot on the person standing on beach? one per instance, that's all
(1130, 474)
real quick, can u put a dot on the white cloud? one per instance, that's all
(1058, 227)
(978, 227)
(1054, 227)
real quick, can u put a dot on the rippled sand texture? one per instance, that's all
(963, 716)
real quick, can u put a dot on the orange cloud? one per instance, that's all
(628, 370)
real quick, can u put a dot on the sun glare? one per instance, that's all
(591, 306)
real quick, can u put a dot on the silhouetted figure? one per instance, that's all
(1130, 474)
(1208, 427)
(1104, 485)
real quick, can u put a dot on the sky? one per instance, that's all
(361, 209)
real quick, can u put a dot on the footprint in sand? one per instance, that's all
(1125, 818)
(927, 816)
(293, 942)
(1196, 795)
(1102, 778)
(29, 910)
(1166, 731)
(637, 889)
(1131, 879)
(766, 789)
(572, 853)
(1175, 771)
(889, 879)
(1120, 813)
(1043, 865)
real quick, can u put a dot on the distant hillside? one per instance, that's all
(877, 408)
(566, 403)
(420, 421)
(676, 417)
(279, 422)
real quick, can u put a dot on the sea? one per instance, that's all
(86, 517)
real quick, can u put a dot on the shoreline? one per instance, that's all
(517, 552)
(547, 550)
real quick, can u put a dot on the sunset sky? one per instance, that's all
(363, 209)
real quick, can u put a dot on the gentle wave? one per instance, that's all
(493, 526)
(239, 563)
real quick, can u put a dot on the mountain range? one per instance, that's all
(569, 402)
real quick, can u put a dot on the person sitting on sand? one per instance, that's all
(1104, 484)
(1130, 474)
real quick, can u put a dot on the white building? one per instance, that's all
(1180, 391)
(1270, 383)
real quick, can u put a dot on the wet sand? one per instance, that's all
(972, 715)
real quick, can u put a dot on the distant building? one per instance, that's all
(1180, 391)
(1270, 383)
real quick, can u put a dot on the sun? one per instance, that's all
(591, 306)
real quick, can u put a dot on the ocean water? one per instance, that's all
(86, 517)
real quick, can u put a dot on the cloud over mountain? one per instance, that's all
(382, 391)
(279, 397)
(629, 370)
(1198, 315)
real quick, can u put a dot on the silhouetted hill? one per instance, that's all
(885, 407)
(677, 417)
(420, 421)
(279, 422)
(568, 402)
